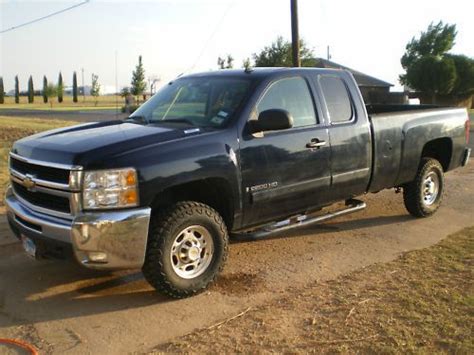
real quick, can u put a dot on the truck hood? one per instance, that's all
(95, 141)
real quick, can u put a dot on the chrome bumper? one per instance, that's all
(100, 240)
(467, 154)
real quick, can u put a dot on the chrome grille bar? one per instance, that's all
(29, 185)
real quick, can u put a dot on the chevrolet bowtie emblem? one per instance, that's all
(28, 182)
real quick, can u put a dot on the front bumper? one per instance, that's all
(99, 240)
(466, 156)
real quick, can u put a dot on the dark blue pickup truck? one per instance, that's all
(219, 154)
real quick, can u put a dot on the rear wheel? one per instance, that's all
(187, 248)
(422, 196)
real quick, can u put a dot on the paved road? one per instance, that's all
(80, 116)
(62, 308)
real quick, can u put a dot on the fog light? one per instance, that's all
(97, 256)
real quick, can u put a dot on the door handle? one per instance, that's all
(315, 143)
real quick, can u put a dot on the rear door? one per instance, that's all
(349, 134)
(282, 171)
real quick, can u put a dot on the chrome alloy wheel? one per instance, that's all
(192, 251)
(430, 188)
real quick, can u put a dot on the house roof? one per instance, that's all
(361, 78)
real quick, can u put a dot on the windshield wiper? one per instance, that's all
(177, 120)
(137, 119)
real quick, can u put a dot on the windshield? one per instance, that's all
(200, 102)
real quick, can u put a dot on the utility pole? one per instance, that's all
(116, 86)
(295, 38)
(328, 54)
(83, 87)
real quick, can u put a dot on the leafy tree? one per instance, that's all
(45, 89)
(225, 63)
(17, 90)
(464, 82)
(31, 91)
(95, 89)
(2, 91)
(279, 54)
(432, 70)
(60, 88)
(246, 64)
(125, 92)
(138, 80)
(74, 87)
(50, 92)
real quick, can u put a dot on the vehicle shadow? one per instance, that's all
(35, 291)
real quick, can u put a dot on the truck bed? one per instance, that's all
(399, 134)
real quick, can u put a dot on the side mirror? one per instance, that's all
(271, 120)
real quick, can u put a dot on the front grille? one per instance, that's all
(41, 199)
(41, 172)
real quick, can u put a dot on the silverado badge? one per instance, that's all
(28, 182)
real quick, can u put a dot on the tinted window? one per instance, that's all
(337, 98)
(292, 95)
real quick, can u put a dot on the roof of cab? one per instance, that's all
(259, 72)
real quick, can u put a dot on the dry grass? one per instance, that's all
(14, 128)
(108, 101)
(421, 303)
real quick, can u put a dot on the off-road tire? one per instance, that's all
(413, 196)
(164, 227)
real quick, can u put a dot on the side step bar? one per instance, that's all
(302, 221)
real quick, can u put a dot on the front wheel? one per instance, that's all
(422, 196)
(187, 248)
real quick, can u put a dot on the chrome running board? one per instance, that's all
(301, 221)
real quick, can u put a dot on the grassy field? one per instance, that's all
(104, 102)
(422, 303)
(14, 128)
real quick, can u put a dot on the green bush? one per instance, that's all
(130, 108)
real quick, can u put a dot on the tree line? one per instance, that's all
(430, 69)
(50, 90)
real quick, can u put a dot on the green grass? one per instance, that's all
(104, 102)
(14, 128)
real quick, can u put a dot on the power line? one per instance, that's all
(211, 36)
(44, 17)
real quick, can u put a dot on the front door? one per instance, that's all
(285, 172)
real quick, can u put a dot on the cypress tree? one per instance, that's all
(60, 88)
(31, 91)
(74, 87)
(45, 90)
(2, 91)
(138, 80)
(17, 90)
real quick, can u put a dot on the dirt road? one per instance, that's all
(62, 308)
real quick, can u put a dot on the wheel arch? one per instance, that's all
(440, 149)
(215, 192)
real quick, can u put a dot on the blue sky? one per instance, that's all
(366, 35)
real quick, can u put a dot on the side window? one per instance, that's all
(292, 95)
(337, 98)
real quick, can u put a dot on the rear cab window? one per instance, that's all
(337, 98)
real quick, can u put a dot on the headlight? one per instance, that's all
(115, 188)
